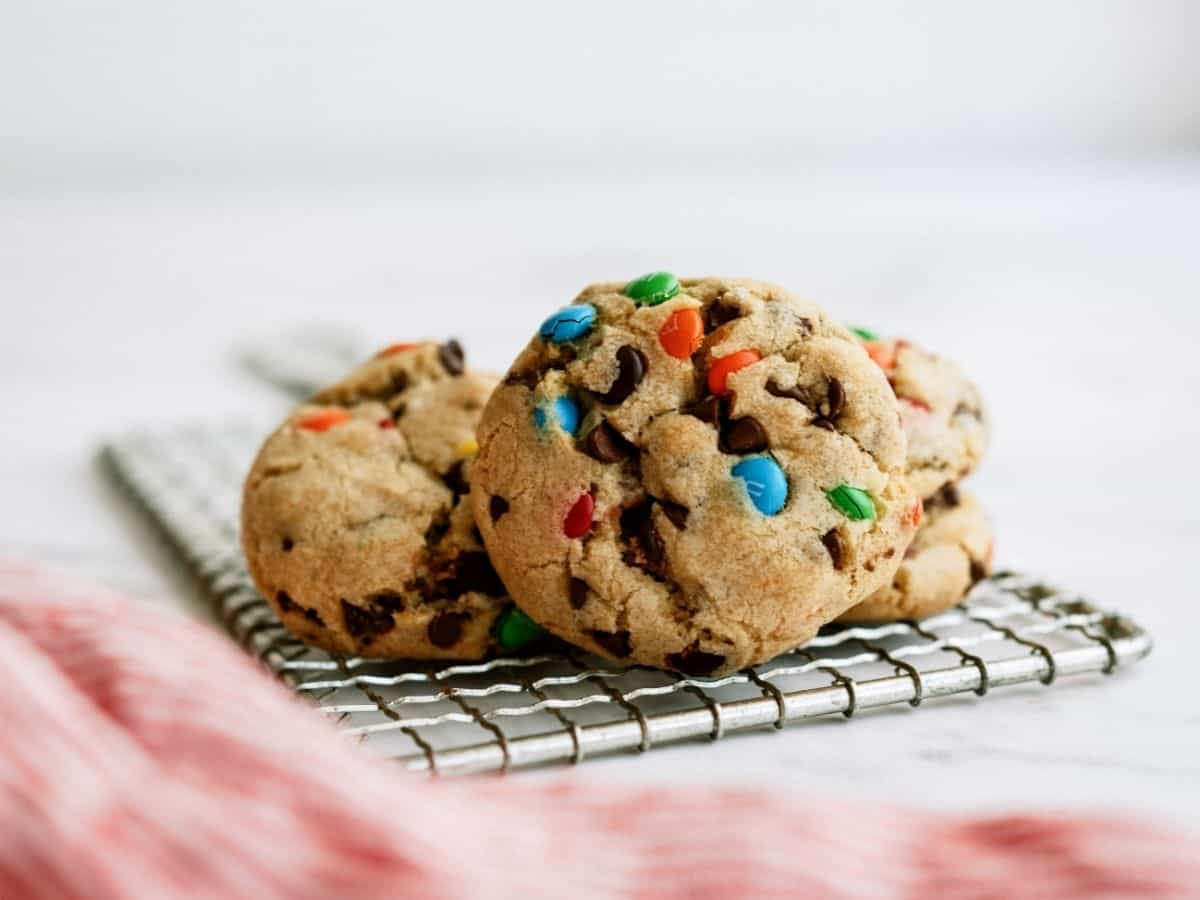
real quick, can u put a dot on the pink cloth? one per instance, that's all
(142, 755)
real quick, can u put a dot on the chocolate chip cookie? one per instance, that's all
(355, 520)
(952, 551)
(943, 414)
(692, 475)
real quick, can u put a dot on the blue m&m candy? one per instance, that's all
(562, 410)
(568, 324)
(765, 483)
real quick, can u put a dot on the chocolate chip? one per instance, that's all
(400, 382)
(497, 507)
(366, 623)
(438, 527)
(633, 518)
(455, 481)
(833, 543)
(744, 435)
(775, 389)
(390, 602)
(822, 422)
(948, 496)
(963, 409)
(398, 411)
(652, 544)
(836, 400)
(474, 570)
(607, 445)
(631, 369)
(528, 378)
(577, 593)
(721, 312)
(978, 571)
(284, 601)
(446, 628)
(706, 410)
(315, 617)
(450, 355)
(677, 513)
(288, 544)
(694, 661)
(615, 642)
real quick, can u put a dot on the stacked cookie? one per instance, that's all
(690, 475)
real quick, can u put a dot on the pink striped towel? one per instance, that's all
(142, 755)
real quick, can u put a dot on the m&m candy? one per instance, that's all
(514, 630)
(682, 333)
(568, 324)
(854, 503)
(579, 518)
(765, 482)
(652, 289)
(323, 420)
(562, 410)
(721, 369)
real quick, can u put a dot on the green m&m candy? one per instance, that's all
(515, 630)
(854, 503)
(652, 289)
(865, 333)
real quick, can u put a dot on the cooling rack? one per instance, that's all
(565, 706)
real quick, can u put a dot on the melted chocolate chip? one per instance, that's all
(836, 400)
(446, 628)
(607, 445)
(615, 642)
(398, 411)
(455, 481)
(631, 369)
(948, 496)
(528, 378)
(822, 422)
(390, 602)
(721, 312)
(366, 623)
(677, 513)
(577, 593)
(288, 544)
(833, 543)
(285, 601)
(497, 507)
(694, 661)
(452, 358)
(775, 389)
(438, 527)
(632, 518)
(706, 410)
(652, 544)
(744, 435)
(400, 382)
(315, 617)
(475, 572)
(978, 571)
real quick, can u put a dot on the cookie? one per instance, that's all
(355, 519)
(952, 551)
(692, 475)
(943, 414)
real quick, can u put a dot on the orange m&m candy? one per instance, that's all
(719, 371)
(682, 333)
(323, 420)
(883, 352)
(393, 349)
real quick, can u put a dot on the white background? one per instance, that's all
(1016, 187)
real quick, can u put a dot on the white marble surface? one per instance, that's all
(1073, 294)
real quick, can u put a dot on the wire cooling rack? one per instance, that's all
(566, 706)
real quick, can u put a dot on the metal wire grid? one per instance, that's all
(566, 706)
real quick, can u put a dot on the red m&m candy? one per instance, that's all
(719, 371)
(579, 518)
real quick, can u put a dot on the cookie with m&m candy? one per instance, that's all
(942, 411)
(355, 519)
(692, 474)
